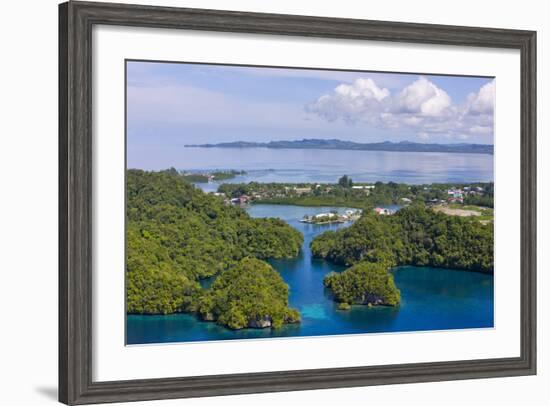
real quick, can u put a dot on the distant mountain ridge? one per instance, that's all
(314, 143)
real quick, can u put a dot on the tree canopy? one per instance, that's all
(413, 236)
(177, 235)
(251, 294)
(364, 283)
(345, 181)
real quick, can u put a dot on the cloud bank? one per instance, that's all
(420, 107)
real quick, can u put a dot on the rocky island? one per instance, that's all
(415, 235)
(364, 284)
(249, 295)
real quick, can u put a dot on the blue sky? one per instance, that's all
(177, 103)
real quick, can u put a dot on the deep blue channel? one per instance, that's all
(431, 298)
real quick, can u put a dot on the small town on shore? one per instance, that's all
(465, 200)
(332, 217)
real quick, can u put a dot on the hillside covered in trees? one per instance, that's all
(413, 236)
(365, 283)
(251, 294)
(347, 193)
(177, 235)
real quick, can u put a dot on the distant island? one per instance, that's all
(314, 143)
(215, 176)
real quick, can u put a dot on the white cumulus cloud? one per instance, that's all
(483, 102)
(362, 89)
(424, 98)
(351, 102)
(421, 107)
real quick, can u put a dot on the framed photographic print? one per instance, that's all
(259, 202)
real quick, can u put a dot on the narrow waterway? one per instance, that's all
(432, 298)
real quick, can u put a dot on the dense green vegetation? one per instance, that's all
(363, 196)
(155, 282)
(207, 176)
(365, 283)
(483, 201)
(358, 202)
(177, 235)
(413, 236)
(224, 175)
(339, 195)
(345, 181)
(195, 177)
(251, 294)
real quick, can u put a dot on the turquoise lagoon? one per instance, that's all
(432, 298)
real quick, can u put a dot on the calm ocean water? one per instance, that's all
(432, 298)
(311, 165)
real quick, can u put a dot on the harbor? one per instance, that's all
(332, 217)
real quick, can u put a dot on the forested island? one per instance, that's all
(213, 176)
(251, 294)
(336, 144)
(178, 235)
(366, 283)
(413, 236)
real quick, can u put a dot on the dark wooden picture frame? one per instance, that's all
(76, 20)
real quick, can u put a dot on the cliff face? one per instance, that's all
(371, 299)
(262, 322)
